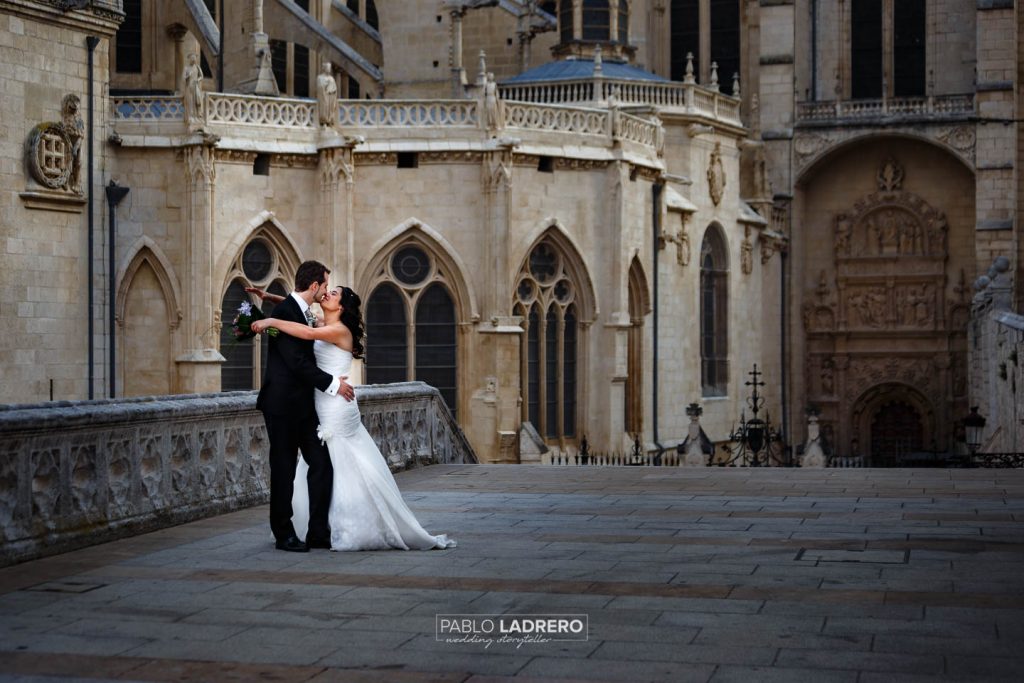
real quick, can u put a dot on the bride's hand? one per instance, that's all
(258, 326)
(257, 292)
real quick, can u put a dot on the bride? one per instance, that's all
(367, 511)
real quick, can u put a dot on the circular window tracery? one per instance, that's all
(257, 260)
(410, 265)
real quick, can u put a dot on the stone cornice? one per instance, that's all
(103, 19)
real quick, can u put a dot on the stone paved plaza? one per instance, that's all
(684, 575)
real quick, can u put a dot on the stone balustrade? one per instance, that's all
(77, 473)
(253, 110)
(160, 120)
(939, 106)
(168, 108)
(557, 118)
(422, 113)
(671, 97)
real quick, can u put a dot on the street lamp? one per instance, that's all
(974, 425)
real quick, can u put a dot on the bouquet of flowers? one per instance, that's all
(242, 324)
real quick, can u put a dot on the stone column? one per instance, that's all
(199, 365)
(178, 32)
(501, 344)
(334, 204)
(615, 343)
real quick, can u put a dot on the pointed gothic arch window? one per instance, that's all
(435, 341)
(411, 324)
(638, 308)
(386, 327)
(714, 298)
(550, 345)
(262, 263)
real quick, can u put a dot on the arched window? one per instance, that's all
(723, 21)
(909, 26)
(565, 21)
(596, 19)
(714, 323)
(414, 289)
(866, 49)
(550, 343)
(684, 34)
(623, 22)
(371, 15)
(435, 341)
(386, 356)
(638, 308)
(128, 51)
(725, 38)
(260, 263)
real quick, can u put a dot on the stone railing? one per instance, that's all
(556, 118)
(940, 106)
(251, 110)
(144, 121)
(148, 108)
(672, 97)
(77, 473)
(387, 113)
(639, 130)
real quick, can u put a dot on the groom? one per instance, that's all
(286, 400)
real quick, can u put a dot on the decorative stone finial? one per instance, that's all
(736, 84)
(689, 69)
(598, 68)
(714, 76)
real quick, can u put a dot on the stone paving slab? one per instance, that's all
(683, 575)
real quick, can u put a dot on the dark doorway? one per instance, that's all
(896, 434)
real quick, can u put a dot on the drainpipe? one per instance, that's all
(220, 53)
(115, 194)
(785, 373)
(91, 42)
(656, 191)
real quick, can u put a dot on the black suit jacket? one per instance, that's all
(291, 373)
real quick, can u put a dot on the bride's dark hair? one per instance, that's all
(352, 318)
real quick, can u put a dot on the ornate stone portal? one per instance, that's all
(882, 337)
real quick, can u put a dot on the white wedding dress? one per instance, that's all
(367, 511)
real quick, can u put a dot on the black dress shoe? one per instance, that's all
(320, 543)
(292, 544)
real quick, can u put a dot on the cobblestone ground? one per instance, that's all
(683, 575)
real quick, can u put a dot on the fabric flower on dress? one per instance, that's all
(324, 434)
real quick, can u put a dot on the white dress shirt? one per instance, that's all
(335, 383)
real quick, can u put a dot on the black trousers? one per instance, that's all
(287, 436)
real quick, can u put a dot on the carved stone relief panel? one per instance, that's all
(44, 463)
(85, 490)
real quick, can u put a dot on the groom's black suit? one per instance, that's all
(286, 400)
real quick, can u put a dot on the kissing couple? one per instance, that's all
(341, 494)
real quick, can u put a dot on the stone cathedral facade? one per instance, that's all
(573, 217)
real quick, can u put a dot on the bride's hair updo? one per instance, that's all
(352, 318)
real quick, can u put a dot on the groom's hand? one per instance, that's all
(345, 389)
